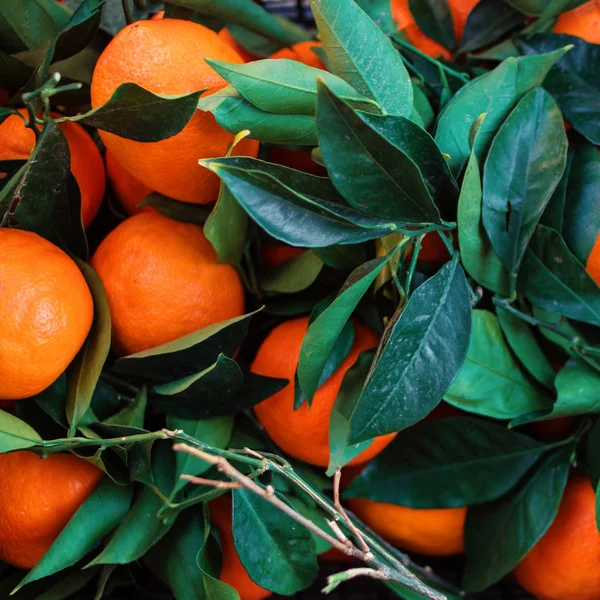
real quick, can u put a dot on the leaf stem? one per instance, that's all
(413, 263)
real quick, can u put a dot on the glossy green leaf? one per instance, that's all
(342, 257)
(574, 81)
(495, 94)
(447, 463)
(553, 279)
(554, 213)
(381, 14)
(499, 535)
(520, 174)
(326, 328)
(537, 7)
(278, 554)
(293, 275)
(29, 23)
(434, 19)
(16, 434)
(258, 45)
(133, 414)
(422, 106)
(137, 114)
(84, 371)
(522, 341)
(491, 382)
(283, 86)
(373, 175)
(565, 327)
(418, 360)
(174, 209)
(359, 52)
(235, 114)
(94, 519)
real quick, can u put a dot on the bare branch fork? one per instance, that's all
(377, 569)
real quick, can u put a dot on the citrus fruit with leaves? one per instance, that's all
(228, 38)
(46, 311)
(304, 433)
(582, 21)
(162, 281)
(233, 572)
(593, 262)
(38, 497)
(302, 52)
(128, 190)
(17, 142)
(564, 563)
(168, 57)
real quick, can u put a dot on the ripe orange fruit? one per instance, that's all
(430, 531)
(276, 254)
(46, 311)
(583, 21)
(593, 262)
(304, 433)
(128, 190)
(564, 563)
(38, 497)
(162, 282)
(460, 10)
(301, 160)
(433, 250)
(168, 57)
(17, 142)
(233, 572)
(302, 52)
(226, 36)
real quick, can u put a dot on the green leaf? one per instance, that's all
(215, 432)
(381, 14)
(489, 21)
(537, 7)
(340, 451)
(45, 198)
(495, 94)
(184, 356)
(491, 382)
(16, 434)
(94, 519)
(562, 323)
(373, 174)
(278, 554)
(258, 45)
(524, 344)
(137, 533)
(447, 463)
(342, 257)
(296, 208)
(137, 114)
(434, 19)
(31, 25)
(284, 86)
(499, 535)
(520, 174)
(359, 52)
(293, 275)
(478, 257)
(132, 415)
(574, 81)
(418, 360)
(553, 279)
(174, 209)
(84, 371)
(235, 114)
(323, 332)
(422, 106)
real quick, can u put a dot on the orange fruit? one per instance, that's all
(128, 190)
(162, 282)
(460, 10)
(226, 36)
(46, 311)
(593, 262)
(38, 497)
(276, 254)
(17, 142)
(233, 572)
(157, 16)
(301, 160)
(304, 433)
(168, 57)
(302, 52)
(564, 563)
(583, 21)
(430, 531)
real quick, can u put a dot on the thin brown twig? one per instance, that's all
(338, 505)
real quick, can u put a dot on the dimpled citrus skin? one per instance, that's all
(583, 21)
(168, 57)
(563, 565)
(430, 531)
(304, 433)
(593, 262)
(38, 497)
(302, 52)
(460, 10)
(226, 36)
(162, 282)
(17, 142)
(46, 311)
(233, 572)
(128, 190)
